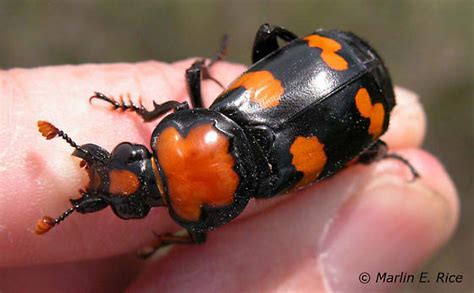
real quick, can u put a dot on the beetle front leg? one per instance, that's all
(163, 240)
(199, 71)
(379, 151)
(266, 40)
(147, 115)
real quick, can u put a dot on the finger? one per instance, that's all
(364, 219)
(392, 227)
(407, 121)
(38, 177)
(87, 276)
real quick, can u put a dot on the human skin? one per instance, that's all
(364, 219)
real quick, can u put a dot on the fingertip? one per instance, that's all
(390, 225)
(39, 176)
(407, 122)
(435, 176)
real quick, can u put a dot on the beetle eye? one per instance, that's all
(128, 153)
(122, 152)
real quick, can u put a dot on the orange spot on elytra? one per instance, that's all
(198, 168)
(308, 157)
(329, 48)
(375, 112)
(264, 89)
(123, 182)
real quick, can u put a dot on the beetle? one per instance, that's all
(302, 112)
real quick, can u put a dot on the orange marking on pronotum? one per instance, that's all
(329, 48)
(123, 182)
(375, 112)
(308, 157)
(262, 86)
(199, 169)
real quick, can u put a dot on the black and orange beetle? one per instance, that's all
(298, 115)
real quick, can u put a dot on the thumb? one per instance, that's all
(389, 228)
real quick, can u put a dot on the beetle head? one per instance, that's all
(124, 179)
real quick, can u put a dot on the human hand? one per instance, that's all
(364, 219)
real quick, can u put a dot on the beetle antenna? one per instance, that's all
(49, 131)
(46, 223)
(222, 53)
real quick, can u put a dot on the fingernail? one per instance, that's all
(391, 226)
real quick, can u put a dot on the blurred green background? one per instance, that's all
(427, 45)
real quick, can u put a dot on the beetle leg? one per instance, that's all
(170, 239)
(147, 115)
(199, 71)
(266, 40)
(379, 151)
